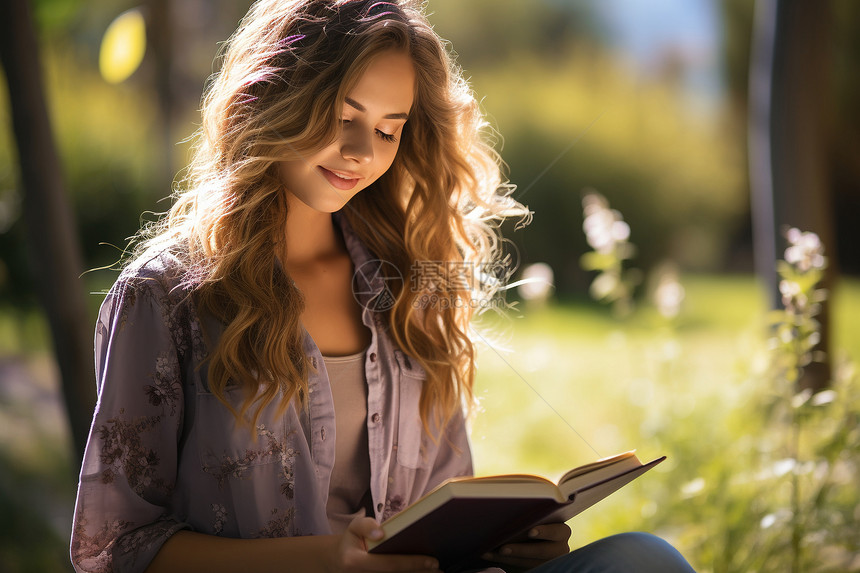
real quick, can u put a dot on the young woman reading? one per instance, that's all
(259, 409)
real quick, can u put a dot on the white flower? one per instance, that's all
(620, 230)
(669, 293)
(691, 488)
(536, 282)
(805, 251)
(604, 285)
(604, 227)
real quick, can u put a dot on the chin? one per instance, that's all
(328, 204)
(332, 206)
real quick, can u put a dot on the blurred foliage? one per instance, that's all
(607, 234)
(486, 33)
(573, 115)
(700, 389)
(105, 134)
(675, 174)
(31, 541)
(780, 492)
(37, 480)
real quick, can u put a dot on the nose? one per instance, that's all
(357, 145)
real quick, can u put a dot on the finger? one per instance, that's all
(365, 527)
(358, 558)
(550, 532)
(540, 551)
(545, 532)
(390, 563)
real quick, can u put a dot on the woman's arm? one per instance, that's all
(190, 551)
(129, 469)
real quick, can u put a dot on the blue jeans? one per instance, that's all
(625, 552)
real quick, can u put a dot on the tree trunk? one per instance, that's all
(51, 236)
(789, 82)
(159, 32)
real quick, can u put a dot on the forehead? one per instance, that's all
(387, 84)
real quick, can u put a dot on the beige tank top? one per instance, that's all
(349, 490)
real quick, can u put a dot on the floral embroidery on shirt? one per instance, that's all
(198, 345)
(97, 547)
(393, 505)
(279, 526)
(168, 385)
(143, 538)
(175, 306)
(231, 467)
(220, 518)
(287, 457)
(238, 467)
(181, 319)
(129, 297)
(123, 453)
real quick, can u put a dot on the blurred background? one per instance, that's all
(645, 102)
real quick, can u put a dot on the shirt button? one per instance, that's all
(374, 418)
(373, 356)
(322, 434)
(379, 507)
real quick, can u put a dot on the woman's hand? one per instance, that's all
(351, 554)
(538, 545)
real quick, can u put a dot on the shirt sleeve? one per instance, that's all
(129, 467)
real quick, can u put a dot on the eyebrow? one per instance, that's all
(361, 108)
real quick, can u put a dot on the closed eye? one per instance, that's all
(386, 136)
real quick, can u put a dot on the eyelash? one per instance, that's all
(386, 137)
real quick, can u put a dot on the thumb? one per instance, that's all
(365, 527)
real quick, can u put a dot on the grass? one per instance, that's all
(575, 384)
(574, 376)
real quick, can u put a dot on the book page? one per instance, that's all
(598, 464)
(587, 496)
(585, 476)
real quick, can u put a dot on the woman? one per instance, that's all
(339, 180)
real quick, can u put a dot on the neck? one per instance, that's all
(310, 234)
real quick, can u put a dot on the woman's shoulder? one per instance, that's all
(162, 273)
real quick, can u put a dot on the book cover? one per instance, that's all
(464, 517)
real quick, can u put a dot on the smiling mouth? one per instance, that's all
(338, 180)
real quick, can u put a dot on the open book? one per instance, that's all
(465, 517)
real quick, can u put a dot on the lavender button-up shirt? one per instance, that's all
(164, 454)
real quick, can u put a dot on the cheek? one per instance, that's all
(290, 169)
(386, 157)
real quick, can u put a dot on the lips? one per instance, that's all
(339, 179)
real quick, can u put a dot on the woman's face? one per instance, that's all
(372, 122)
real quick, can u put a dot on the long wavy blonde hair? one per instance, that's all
(283, 80)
